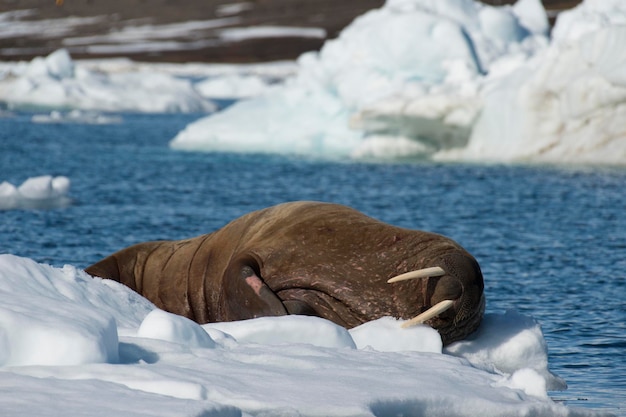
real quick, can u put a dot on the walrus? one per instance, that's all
(308, 258)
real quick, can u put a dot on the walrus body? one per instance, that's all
(308, 258)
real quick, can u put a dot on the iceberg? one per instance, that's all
(347, 100)
(69, 341)
(56, 82)
(43, 192)
(452, 80)
(565, 105)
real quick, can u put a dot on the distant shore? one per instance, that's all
(191, 31)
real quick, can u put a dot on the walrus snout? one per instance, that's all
(455, 294)
(463, 286)
(467, 275)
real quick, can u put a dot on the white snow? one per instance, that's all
(253, 32)
(451, 80)
(12, 25)
(79, 345)
(233, 8)
(147, 33)
(43, 192)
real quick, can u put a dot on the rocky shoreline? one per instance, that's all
(193, 31)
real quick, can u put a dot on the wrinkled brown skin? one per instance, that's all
(307, 258)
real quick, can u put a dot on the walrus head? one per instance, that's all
(308, 258)
(456, 298)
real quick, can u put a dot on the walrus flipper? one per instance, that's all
(247, 296)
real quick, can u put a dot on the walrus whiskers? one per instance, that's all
(434, 271)
(434, 311)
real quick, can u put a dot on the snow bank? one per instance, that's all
(162, 325)
(47, 316)
(291, 329)
(56, 82)
(44, 192)
(109, 351)
(449, 80)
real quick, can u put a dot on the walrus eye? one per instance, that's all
(434, 311)
(434, 271)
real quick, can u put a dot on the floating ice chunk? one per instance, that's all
(44, 192)
(44, 187)
(8, 196)
(170, 327)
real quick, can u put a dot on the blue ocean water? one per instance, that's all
(551, 240)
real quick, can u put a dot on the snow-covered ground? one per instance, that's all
(448, 80)
(82, 346)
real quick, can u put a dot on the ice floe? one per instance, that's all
(43, 192)
(95, 346)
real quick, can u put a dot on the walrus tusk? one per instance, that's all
(434, 271)
(435, 310)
